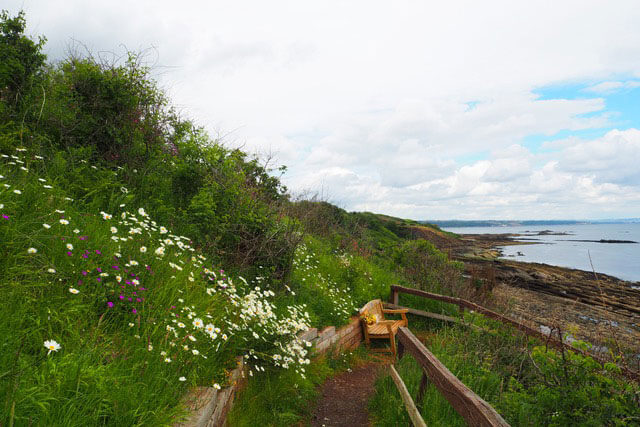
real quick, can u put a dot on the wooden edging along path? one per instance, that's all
(464, 304)
(470, 406)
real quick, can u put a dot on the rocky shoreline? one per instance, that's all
(599, 308)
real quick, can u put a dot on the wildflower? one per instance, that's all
(51, 270)
(59, 211)
(47, 226)
(143, 249)
(181, 325)
(217, 386)
(32, 250)
(69, 246)
(142, 212)
(64, 222)
(106, 216)
(182, 379)
(115, 238)
(195, 352)
(74, 291)
(17, 191)
(131, 325)
(192, 338)
(160, 251)
(133, 262)
(52, 345)
(47, 186)
(150, 347)
(76, 231)
(109, 304)
(124, 190)
(114, 230)
(167, 360)
(163, 230)
(198, 323)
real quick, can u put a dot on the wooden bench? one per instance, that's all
(382, 329)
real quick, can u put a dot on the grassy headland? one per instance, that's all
(140, 256)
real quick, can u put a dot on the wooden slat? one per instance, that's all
(424, 313)
(469, 405)
(524, 328)
(413, 412)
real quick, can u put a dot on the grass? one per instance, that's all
(279, 398)
(136, 313)
(525, 383)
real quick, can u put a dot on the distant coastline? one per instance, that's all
(514, 223)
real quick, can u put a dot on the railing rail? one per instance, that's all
(474, 410)
(464, 304)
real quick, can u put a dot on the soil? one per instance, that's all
(345, 397)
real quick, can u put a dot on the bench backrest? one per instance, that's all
(374, 307)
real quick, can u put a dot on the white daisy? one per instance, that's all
(52, 345)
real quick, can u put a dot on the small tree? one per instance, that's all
(21, 61)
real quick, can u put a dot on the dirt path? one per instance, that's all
(344, 398)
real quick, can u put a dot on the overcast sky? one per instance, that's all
(419, 109)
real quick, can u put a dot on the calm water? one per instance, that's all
(621, 260)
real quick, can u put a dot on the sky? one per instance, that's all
(418, 109)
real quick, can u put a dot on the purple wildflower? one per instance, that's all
(109, 304)
(134, 311)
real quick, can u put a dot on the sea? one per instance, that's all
(559, 246)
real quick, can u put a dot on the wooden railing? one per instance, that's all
(464, 304)
(474, 410)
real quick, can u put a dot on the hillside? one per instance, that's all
(140, 257)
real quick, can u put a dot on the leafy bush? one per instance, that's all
(571, 389)
(21, 60)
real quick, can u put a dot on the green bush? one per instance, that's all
(571, 389)
(21, 63)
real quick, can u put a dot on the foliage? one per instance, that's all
(105, 307)
(571, 389)
(21, 60)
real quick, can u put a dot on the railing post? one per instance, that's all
(400, 349)
(424, 383)
(393, 298)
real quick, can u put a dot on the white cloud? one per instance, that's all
(609, 87)
(370, 100)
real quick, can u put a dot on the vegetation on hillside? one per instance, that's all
(140, 256)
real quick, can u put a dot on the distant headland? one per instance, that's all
(512, 223)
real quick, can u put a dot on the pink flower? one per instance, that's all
(109, 304)
(134, 311)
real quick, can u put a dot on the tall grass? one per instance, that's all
(108, 317)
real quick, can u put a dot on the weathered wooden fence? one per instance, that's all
(470, 406)
(464, 304)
